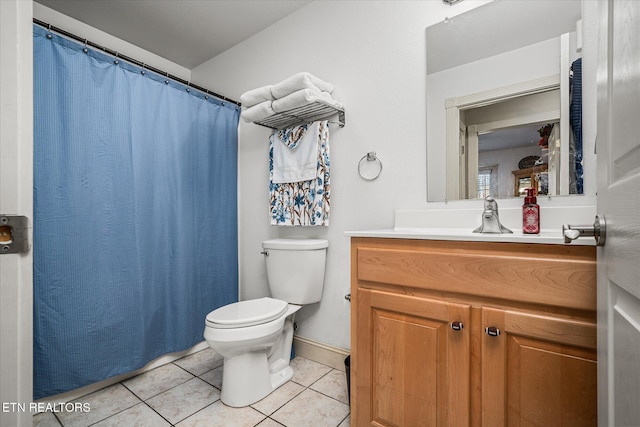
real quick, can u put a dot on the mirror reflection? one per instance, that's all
(502, 83)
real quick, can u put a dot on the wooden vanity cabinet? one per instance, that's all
(540, 370)
(415, 366)
(451, 333)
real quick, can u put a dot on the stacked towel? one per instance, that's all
(256, 96)
(257, 112)
(300, 81)
(297, 91)
(303, 97)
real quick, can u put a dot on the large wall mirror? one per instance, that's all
(500, 99)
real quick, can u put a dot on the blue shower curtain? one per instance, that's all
(135, 226)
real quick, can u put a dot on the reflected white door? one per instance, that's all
(462, 162)
(618, 149)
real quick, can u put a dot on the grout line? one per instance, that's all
(57, 419)
(157, 394)
(145, 402)
(345, 418)
(184, 369)
(151, 407)
(122, 410)
(199, 410)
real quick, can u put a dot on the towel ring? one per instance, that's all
(370, 157)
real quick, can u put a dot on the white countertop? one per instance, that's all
(546, 236)
(458, 224)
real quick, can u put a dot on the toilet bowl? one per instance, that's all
(256, 352)
(255, 336)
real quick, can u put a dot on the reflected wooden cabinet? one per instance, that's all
(527, 178)
(472, 334)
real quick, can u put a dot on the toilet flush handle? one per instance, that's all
(265, 253)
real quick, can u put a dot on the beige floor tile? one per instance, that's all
(334, 384)
(183, 400)
(45, 419)
(311, 409)
(136, 416)
(268, 422)
(103, 404)
(200, 362)
(278, 398)
(219, 414)
(214, 377)
(157, 380)
(306, 371)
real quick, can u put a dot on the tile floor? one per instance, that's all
(186, 393)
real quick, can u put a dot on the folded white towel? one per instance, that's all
(257, 112)
(300, 81)
(300, 162)
(303, 97)
(256, 96)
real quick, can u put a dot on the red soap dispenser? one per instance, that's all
(530, 213)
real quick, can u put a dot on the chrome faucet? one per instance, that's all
(490, 219)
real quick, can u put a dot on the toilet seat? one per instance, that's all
(246, 313)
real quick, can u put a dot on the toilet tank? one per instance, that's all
(295, 269)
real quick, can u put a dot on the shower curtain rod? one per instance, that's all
(131, 60)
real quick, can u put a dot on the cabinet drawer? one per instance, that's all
(555, 275)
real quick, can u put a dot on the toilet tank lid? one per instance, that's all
(295, 244)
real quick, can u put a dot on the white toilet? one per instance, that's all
(255, 336)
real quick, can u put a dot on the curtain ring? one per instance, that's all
(143, 72)
(370, 157)
(84, 49)
(116, 60)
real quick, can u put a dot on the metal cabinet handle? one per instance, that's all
(457, 326)
(492, 331)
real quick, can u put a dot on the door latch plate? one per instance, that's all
(14, 234)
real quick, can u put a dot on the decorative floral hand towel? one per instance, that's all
(295, 157)
(302, 203)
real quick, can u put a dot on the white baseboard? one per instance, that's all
(83, 391)
(319, 352)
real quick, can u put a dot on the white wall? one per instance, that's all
(374, 53)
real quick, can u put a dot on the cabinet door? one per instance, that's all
(539, 370)
(411, 367)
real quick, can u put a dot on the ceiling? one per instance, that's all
(187, 32)
(514, 137)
